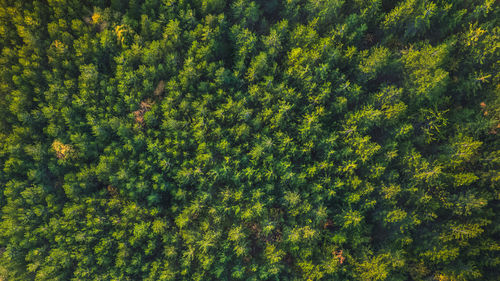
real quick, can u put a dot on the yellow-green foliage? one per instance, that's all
(249, 140)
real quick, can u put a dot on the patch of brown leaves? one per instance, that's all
(160, 88)
(338, 254)
(144, 107)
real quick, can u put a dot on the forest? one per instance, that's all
(249, 140)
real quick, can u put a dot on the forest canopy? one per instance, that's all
(249, 140)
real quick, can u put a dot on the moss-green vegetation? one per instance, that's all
(249, 140)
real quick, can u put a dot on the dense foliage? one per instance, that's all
(252, 140)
